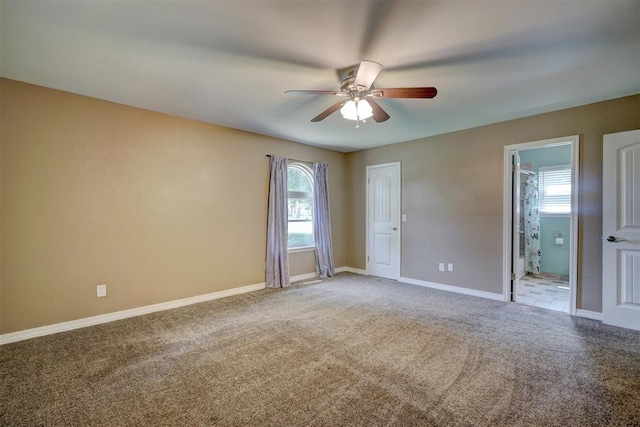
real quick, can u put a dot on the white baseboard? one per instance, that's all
(352, 270)
(343, 269)
(589, 314)
(123, 314)
(118, 315)
(449, 288)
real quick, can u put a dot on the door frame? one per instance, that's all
(507, 233)
(398, 256)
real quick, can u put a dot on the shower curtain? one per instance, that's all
(531, 226)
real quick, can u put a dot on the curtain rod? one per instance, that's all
(295, 160)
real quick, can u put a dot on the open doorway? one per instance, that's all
(541, 223)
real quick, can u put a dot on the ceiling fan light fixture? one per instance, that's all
(364, 109)
(356, 110)
(349, 110)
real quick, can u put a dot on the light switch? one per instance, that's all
(404, 217)
(441, 266)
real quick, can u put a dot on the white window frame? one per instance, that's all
(543, 198)
(306, 169)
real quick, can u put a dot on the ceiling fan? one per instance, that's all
(357, 87)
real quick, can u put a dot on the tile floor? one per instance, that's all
(544, 292)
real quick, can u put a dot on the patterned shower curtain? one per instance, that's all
(531, 226)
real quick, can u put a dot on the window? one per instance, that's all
(554, 183)
(300, 205)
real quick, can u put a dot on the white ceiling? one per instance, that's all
(229, 62)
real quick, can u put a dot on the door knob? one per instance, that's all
(393, 228)
(614, 239)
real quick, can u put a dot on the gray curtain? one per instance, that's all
(277, 219)
(322, 222)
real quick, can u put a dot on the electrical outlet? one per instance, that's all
(441, 266)
(101, 291)
(450, 266)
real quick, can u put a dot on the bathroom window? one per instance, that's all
(554, 184)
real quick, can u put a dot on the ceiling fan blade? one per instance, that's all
(379, 115)
(405, 92)
(326, 113)
(315, 92)
(367, 73)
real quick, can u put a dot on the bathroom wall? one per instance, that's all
(554, 258)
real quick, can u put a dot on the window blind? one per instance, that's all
(554, 184)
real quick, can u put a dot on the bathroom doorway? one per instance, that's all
(541, 226)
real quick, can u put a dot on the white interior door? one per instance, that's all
(621, 230)
(383, 220)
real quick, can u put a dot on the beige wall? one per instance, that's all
(157, 207)
(452, 187)
(95, 192)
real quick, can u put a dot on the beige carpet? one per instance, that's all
(351, 350)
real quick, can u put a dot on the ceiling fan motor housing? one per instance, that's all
(347, 77)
